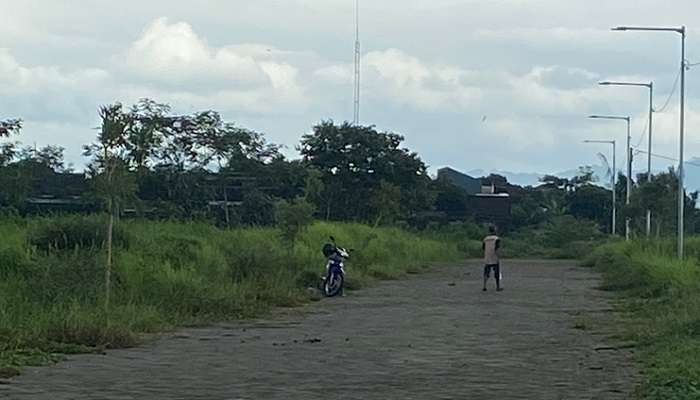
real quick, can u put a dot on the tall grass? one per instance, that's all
(663, 296)
(169, 274)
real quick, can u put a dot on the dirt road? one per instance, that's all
(432, 336)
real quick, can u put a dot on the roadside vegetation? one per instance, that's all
(169, 274)
(662, 296)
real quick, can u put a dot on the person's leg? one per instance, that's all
(487, 273)
(498, 277)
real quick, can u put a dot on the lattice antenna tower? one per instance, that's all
(358, 65)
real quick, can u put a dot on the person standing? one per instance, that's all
(492, 262)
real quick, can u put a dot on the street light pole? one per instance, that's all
(649, 86)
(629, 163)
(681, 188)
(613, 181)
(681, 167)
(629, 177)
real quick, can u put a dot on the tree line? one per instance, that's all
(151, 162)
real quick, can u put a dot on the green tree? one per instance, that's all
(592, 203)
(110, 173)
(257, 208)
(354, 160)
(10, 127)
(293, 217)
(385, 203)
(661, 197)
(450, 199)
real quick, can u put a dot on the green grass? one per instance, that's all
(564, 238)
(169, 274)
(662, 294)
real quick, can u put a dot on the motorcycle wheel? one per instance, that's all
(333, 285)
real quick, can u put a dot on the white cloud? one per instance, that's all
(48, 92)
(406, 80)
(173, 55)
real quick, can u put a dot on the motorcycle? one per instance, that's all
(333, 283)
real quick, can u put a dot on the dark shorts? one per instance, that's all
(496, 268)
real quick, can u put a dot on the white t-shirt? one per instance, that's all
(491, 245)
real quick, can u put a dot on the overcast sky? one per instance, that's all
(491, 84)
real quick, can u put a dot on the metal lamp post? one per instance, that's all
(681, 189)
(613, 181)
(629, 163)
(650, 86)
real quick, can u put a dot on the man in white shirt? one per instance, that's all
(491, 246)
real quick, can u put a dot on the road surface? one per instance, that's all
(431, 336)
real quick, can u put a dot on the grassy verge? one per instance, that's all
(662, 294)
(562, 238)
(169, 274)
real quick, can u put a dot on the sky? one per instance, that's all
(489, 84)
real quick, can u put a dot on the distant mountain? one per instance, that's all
(692, 175)
(533, 179)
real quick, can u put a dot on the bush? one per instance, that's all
(564, 230)
(74, 232)
(293, 217)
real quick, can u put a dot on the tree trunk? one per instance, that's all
(378, 221)
(226, 211)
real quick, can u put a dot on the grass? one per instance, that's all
(562, 238)
(169, 274)
(662, 294)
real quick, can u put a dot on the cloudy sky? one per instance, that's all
(490, 84)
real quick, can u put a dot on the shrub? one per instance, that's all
(74, 232)
(293, 217)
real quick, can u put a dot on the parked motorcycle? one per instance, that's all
(333, 283)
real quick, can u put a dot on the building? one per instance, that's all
(486, 203)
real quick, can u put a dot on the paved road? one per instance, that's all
(432, 336)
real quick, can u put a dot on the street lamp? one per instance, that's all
(629, 163)
(650, 86)
(613, 181)
(681, 189)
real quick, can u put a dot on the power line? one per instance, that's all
(644, 133)
(670, 96)
(665, 157)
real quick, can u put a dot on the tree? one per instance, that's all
(450, 199)
(293, 217)
(585, 177)
(149, 125)
(50, 157)
(593, 203)
(354, 160)
(661, 197)
(110, 173)
(385, 203)
(257, 208)
(9, 127)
